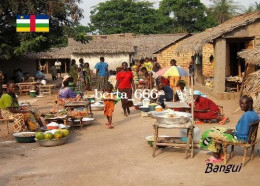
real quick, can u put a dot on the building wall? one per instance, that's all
(183, 59)
(113, 60)
(208, 67)
(165, 56)
(25, 64)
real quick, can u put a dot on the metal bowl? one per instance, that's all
(24, 139)
(181, 118)
(53, 142)
(97, 108)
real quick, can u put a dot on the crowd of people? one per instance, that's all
(142, 74)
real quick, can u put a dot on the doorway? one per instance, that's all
(237, 65)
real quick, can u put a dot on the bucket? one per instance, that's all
(32, 94)
(152, 107)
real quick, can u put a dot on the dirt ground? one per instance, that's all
(120, 156)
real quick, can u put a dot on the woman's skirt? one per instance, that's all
(102, 83)
(125, 102)
(207, 139)
(23, 121)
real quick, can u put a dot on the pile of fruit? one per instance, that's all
(52, 134)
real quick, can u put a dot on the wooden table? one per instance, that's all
(26, 87)
(78, 104)
(233, 85)
(171, 141)
(46, 89)
(58, 118)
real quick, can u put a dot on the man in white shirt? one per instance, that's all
(58, 66)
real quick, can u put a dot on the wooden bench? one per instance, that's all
(46, 89)
(26, 87)
(6, 121)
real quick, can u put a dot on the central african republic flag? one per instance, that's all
(32, 23)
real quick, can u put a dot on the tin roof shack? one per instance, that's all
(229, 38)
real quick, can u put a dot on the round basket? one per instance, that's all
(22, 138)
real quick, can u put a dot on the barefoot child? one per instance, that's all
(109, 99)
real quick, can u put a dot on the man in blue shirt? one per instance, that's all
(102, 74)
(168, 94)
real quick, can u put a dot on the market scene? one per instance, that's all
(129, 108)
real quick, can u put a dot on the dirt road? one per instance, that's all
(100, 156)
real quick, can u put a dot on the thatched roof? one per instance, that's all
(252, 85)
(251, 56)
(147, 45)
(102, 46)
(172, 43)
(196, 42)
(138, 45)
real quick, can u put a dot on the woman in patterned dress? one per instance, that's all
(23, 119)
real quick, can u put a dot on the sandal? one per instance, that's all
(213, 160)
(223, 121)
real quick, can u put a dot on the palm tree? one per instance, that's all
(224, 9)
(252, 8)
(257, 6)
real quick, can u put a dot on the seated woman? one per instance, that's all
(168, 94)
(230, 135)
(66, 94)
(182, 94)
(23, 119)
(205, 109)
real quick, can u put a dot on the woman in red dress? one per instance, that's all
(205, 109)
(125, 84)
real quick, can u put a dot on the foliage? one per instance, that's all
(62, 12)
(252, 8)
(79, 33)
(187, 15)
(224, 9)
(122, 16)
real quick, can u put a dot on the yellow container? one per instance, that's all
(158, 108)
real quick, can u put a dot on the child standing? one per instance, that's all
(109, 99)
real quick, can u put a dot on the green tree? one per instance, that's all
(186, 15)
(224, 9)
(122, 16)
(252, 8)
(79, 33)
(62, 12)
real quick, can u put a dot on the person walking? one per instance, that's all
(102, 74)
(53, 72)
(58, 66)
(124, 84)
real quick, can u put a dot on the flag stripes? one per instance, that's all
(32, 23)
